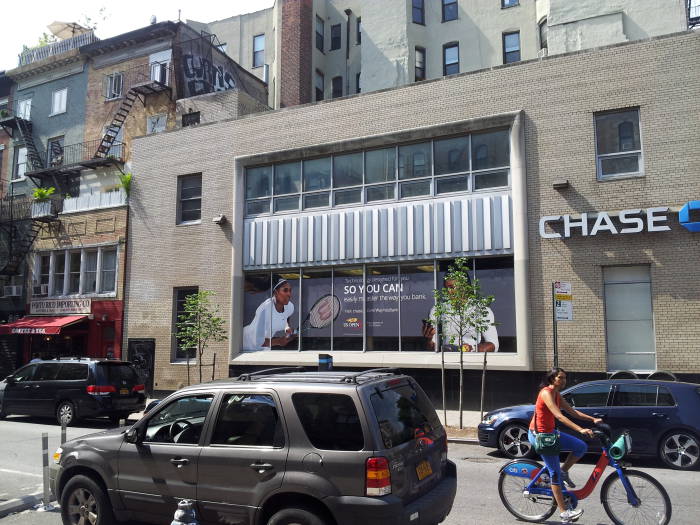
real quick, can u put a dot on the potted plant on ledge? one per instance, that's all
(41, 207)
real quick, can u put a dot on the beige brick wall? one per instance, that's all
(558, 97)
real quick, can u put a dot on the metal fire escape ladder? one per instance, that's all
(112, 131)
(20, 243)
(24, 127)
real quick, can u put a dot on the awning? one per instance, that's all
(34, 324)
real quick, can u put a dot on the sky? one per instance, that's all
(25, 23)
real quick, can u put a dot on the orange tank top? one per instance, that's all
(544, 416)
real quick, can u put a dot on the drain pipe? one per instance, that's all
(348, 12)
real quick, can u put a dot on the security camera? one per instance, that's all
(219, 219)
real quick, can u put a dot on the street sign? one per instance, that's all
(563, 301)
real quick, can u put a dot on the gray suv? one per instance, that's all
(269, 448)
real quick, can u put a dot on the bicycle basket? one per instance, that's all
(622, 446)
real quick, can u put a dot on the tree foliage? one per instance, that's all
(199, 326)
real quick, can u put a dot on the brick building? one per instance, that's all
(77, 105)
(368, 198)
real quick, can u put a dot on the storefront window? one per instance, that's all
(417, 300)
(348, 286)
(382, 307)
(269, 312)
(319, 307)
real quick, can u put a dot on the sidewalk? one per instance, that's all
(468, 432)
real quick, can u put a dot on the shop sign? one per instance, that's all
(563, 301)
(60, 306)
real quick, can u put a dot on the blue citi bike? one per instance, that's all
(628, 496)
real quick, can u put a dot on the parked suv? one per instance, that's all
(70, 389)
(275, 448)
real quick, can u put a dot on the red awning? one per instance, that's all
(39, 325)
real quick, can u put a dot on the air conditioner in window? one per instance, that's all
(40, 289)
(542, 53)
(13, 291)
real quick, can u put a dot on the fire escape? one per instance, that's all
(21, 219)
(139, 82)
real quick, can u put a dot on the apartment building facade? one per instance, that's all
(344, 215)
(310, 50)
(75, 110)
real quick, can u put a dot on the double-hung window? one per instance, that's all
(418, 12)
(58, 101)
(337, 87)
(320, 29)
(618, 144)
(335, 37)
(319, 81)
(20, 163)
(449, 10)
(511, 47)
(88, 271)
(258, 50)
(189, 199)
(420, 64)
(450, 59)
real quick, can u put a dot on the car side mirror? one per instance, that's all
(132, 435)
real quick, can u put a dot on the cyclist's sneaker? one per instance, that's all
(566, 479)
(571, 515)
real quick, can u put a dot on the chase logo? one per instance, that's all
(684, 216)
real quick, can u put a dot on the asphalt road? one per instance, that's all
(477, 498)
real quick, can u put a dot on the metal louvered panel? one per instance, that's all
(442, 228)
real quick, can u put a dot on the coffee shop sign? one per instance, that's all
(626, 221)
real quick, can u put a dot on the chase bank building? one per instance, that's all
(336, 221)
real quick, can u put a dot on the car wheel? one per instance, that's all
(66, 411)
(295, 516)
(513, 442)
(680, 450)
(84, 502)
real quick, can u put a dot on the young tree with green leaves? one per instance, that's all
(199, 326)
(464, 315)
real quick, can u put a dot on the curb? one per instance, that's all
(15, 505)
(462, 441)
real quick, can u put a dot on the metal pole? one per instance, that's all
(213, 367)
(554, 328)
(46, 499)
(63, 431)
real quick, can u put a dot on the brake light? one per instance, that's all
(378, 477)
(139, 388)
(100, 390)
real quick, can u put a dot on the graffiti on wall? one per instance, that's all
(202, 76)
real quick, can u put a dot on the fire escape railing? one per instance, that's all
(59, 156)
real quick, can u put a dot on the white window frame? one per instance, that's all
(65, 254)
(16, 175)
(256, 39)
(603, 156)
(59, 101)
(24, 109)
(111, 92)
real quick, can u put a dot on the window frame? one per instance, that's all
(334, 92)
(62, 99)
(319, 91)
(445, 65)
(175, 315)
(256, 53)
(320, 36)
(110, 80)
(543, 29)
(444, 5)
(506, 60)
(336, 40)
(180, 199)
(50, 278)
(639, 152)
(507, 4)
(418, 9)
(419, 51)
(358, 31)
(248, 393)
(19, 169)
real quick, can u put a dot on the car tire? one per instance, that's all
(84, 501)
(680, 450)
(296, 516)
(513, 442)
(66, 409)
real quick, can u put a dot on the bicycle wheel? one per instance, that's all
(528, 508)
(654, 503)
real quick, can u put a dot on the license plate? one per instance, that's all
(423, 470)
(124, 391)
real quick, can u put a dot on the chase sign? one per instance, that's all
(625, 222)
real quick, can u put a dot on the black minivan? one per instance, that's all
(70, 389)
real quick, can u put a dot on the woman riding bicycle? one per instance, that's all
(549, 407)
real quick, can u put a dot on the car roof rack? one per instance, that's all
(268, 371)
(352, 378)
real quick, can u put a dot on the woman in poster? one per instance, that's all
(270, 325)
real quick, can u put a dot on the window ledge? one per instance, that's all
(59, 113)
(189, 223)
(624, 176)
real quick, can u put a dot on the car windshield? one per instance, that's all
(403, 413)
(118, 372)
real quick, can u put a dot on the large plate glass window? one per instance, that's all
(270, 311)
(629, 322)
(258, 189)
(318, 309)
(618, 144)
(415, 161)
(382, 308)
(490, 151)
(348, 327)
(417, 285)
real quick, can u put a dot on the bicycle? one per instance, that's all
(628, 496)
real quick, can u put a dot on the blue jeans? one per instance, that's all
(568, 444)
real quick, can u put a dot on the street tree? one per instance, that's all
(462, 312)
(199, 326)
